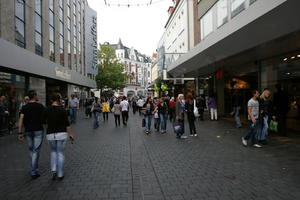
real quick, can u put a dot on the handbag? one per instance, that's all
(177, 126)
(113, 109)
(196, 112)
(143, 122)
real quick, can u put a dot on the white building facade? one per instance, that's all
(138, 66)
(179, 30)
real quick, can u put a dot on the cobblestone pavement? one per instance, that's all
(124, 163)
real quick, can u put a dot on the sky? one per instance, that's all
(140, 26)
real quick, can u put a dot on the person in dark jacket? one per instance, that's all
(179, 113)
(32, 118)
(236, 105)
(58, 131)
(265, 111)
(201, 104)
(163, 115)
(148, 108)
(189, 108)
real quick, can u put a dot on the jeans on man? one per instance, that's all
(236, 111)
(73, 114)
(125, 117)
(35, 140)
(57, 148)
(163, 121)
(252, 133)
(96, 120)
(148, 119)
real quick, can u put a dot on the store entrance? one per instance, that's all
(243, 85)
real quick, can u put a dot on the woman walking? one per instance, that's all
(179, 112)
(212, 104)
(96, 109)
(163, 115)
(117, 112)
(105, 109)
(148, 109)
(58, 130)
(189, 107)
(264, 107)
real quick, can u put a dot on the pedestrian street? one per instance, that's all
(123, 162)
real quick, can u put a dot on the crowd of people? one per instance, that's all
(55, 121)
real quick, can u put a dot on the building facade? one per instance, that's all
(244, 45)
(138, 66)
(42, 47)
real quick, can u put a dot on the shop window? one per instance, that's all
(222, 12)
(237, 6)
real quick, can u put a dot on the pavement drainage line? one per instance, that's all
(131, 170)
(152, 166)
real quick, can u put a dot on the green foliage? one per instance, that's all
(111, 73)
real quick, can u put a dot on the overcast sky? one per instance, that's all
(140, 26)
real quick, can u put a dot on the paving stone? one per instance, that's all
(124, 163)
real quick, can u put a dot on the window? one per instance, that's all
(51, 51)
(51, 18)
(61, 28)
(20, 23)
(69, 35)
(69, 23)
(51, 5)
(206, 24)
(20, 9)
(252, 1)
(38, 44)
(222, 15)
(38, 27)
(51, 32)
(236, 7)
(69, 55)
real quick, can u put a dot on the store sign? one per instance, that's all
(62, 73)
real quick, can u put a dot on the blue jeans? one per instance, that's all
(148, 119)
(57, 148)
(163, 121)
(73, 114)
(236, 111)
(96, 120)
(35, 140)
(263, 132)
(252, 133)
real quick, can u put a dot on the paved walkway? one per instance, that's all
(124, 163)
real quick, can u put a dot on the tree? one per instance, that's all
(111, 73)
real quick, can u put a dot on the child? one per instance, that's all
(273, 125)
(156, 120)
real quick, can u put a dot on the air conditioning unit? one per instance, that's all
(178, 81)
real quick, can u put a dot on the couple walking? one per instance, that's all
(33, 116)
(183, 107)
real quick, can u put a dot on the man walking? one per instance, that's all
(32, 117)
(73, 107)
(124, 106)
(140, 104)
(253, 114)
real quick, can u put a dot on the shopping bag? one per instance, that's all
(177, 126)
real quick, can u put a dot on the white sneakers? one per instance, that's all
(244, 141)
